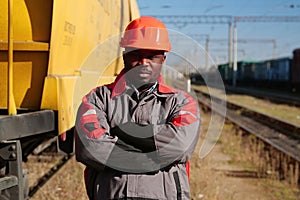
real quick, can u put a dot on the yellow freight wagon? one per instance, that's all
(51, 54)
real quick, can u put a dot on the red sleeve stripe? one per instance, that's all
(91, 118)
(187, 115)
(88, 115)
(184, 120)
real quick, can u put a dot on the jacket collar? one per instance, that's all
(119, 86)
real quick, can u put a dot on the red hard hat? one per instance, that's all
(146, 33)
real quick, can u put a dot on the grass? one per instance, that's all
(280, 190)
(245, 151)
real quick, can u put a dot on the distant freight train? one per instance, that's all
(279, 74)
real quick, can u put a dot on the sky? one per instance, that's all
(261, 40)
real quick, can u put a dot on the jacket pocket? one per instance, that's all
(150, 186)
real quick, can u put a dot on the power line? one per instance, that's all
(266, 19)
(183, 20)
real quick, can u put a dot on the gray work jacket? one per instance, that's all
(121, 170)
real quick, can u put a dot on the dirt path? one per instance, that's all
(216, 178)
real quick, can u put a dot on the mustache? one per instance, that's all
(141, 68)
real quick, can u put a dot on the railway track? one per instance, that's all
(271, 96)
(43, 166)
(279, 135)
(278, 97)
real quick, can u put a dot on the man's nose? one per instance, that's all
(144, 61)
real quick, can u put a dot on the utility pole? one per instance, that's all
(234, 72)
(207, 50)
(229, 51)
(198, 37)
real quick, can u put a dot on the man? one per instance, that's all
(136, 135)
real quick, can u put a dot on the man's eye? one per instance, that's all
(151, 57)
(155, 58)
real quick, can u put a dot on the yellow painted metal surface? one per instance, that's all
(25, 46)
(62, 49)
(59, 95)
(11, 104)
(31, 23)
(81, 49)
(134, 9)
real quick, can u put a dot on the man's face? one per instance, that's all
(143, 66)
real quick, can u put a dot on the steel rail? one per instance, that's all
(265, 127)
